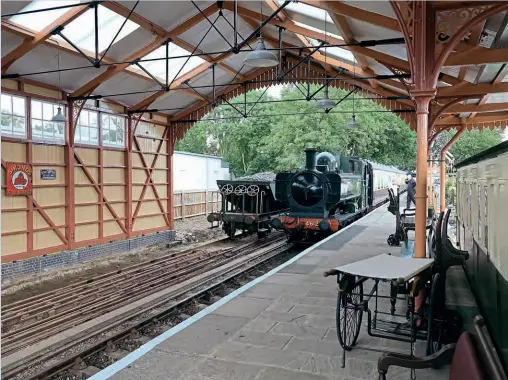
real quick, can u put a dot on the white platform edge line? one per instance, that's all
(148, 346)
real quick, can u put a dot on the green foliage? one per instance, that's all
(274, 138)
(451, 191)
(469, 143)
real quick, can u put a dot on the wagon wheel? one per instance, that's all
(227, 189)
(240, 189)
(230, 230)
(435, 316)
(349, 329)
(252, 190)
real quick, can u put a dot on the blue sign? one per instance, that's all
(48, 174)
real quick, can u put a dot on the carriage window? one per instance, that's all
(470, 200)
(479, 214)
(486, 222)
(13, 115)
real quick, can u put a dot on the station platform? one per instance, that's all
(280, 326)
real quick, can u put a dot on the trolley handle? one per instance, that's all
(331, 272)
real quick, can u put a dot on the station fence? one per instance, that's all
(189, 203)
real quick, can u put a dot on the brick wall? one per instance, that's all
(46, 263)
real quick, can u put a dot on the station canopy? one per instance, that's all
(181, 58)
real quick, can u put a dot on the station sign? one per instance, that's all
(48, 174)
(18, 178)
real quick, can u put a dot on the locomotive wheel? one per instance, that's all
(349, 321)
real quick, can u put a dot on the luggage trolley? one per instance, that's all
(405, 276)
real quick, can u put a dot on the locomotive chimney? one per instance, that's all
(310, 158)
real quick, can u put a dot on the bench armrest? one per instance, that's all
(440, 358)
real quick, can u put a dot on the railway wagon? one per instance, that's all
(481, 212)
(247, 205)
(330, 192)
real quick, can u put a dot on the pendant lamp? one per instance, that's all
(59, 117)
(353, 123)
(325, 102)
(260, 57)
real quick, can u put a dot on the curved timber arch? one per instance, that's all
(185, 120)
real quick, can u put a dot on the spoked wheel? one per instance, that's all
(349, 320)
(435, 316)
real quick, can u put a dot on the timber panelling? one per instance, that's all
(88, 202)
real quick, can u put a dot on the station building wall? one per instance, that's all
(109, 186)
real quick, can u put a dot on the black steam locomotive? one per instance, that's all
(331, 192)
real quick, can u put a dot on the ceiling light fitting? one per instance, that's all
(260, 57)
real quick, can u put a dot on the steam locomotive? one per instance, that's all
(331, 192)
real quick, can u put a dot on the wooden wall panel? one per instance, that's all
(149, 207)
(49, 196)
(114, 193)
(81, 179)
(12, 244)
(13, 152)
(112, 228)
(113, 157)
(14, 221)
(148, 223)
(57, 216)
(119, 209)
(42, 91)
(88, 156)
(86, 213)
(114, 175)
(45, 239)
(87, 232)
(85, 195)
(12, 202)
(162, 190)
(9, 83)
(48, 154)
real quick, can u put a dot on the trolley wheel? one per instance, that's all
(435, 316)
(353, 318)
(393, 241)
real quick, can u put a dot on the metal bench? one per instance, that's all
(473, 357)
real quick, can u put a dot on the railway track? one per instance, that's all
(162, 293)
(196, 279)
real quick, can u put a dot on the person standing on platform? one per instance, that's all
(411, 190)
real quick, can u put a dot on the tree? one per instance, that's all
(275, 134)
(468, 144)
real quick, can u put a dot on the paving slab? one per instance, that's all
(203, 337)
(245, 307)
(160, 365)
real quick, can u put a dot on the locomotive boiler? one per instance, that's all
(331, 192)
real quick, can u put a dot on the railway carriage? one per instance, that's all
(481, 210)
(331, 192)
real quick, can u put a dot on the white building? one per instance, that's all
(193, 171)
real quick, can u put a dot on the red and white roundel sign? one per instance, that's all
(19, 179)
